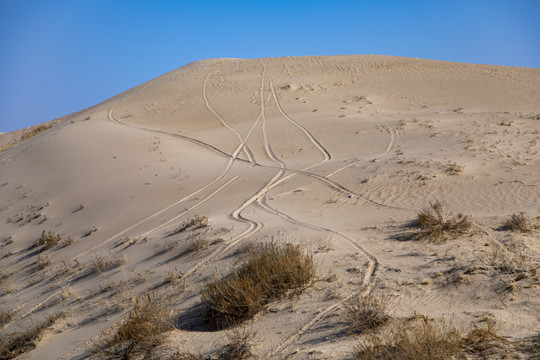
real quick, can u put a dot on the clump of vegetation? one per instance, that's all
(48, 240)
(436, 225)
(366, 313)
(137, 334)
(5, 317)
(423, 341)
(269, 271)
(239, 346)
(25, 136)
(454, 169)
(198, 222)
(43, 261)
(519, 222)
(17, 344)
(105, 262)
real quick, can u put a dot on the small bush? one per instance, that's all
(366, 313)
(137, 334)
(17, 344)
(239, 346)
(198, 222)
(105, 262)
(268, 273)
(48, 240)
(422, 341)
(518, 222)
(436, 226)
(5, 317)
(43, 261)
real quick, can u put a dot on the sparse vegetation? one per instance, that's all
(48, 240)
(5, 317)
(105, 262)
(519, 222)
(198, 222)
(43, 261)
(137, 334)
(239, 346)
(268, 273)
(26, 135)
(437, 226)
(366, 313)
(17, 344)
(423, 341)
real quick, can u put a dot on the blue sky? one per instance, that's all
(59, 57)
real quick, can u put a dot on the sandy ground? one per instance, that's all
(337, 154)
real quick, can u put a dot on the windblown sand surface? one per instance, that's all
(337, 154)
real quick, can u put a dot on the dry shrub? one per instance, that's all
(198, 222)
(421, 341)
(25, 136)
(105, 262)
(5, 317)
(436, 225)
(48, 240)
(479, 340)
(35, 131)
(366, 313)
(196, 243)
(239, 346)
(43, 261)
(140, 332)
(268, 273)
(518, 222)
(16, 344)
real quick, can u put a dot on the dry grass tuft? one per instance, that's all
(48, 240)
(26, 135)
(437, 226)
(519, 222)
(268, 273)
(16, 344)
(105, 262)
(239, 346)
(5, 317)
(366, 313)
(198, 222)
(137, 334)
(422, 341)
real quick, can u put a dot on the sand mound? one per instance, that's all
(336, 154)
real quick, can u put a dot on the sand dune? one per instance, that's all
(337, 154)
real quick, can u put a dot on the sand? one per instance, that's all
(337, 154)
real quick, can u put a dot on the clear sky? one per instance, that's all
(58, 57)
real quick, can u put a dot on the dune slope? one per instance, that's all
(336, 154)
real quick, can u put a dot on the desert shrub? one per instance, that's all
(16, 344)
(43, 261)
(479, 340)
(105, 262)
(518, 222)
(137, 334)
(48, 240)
(5, 317)
(25, 136)
(239, 346)
(436, 225)
(421, 341)
(268, 273)
(366, 313)
(198, 222)
(35, 131)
